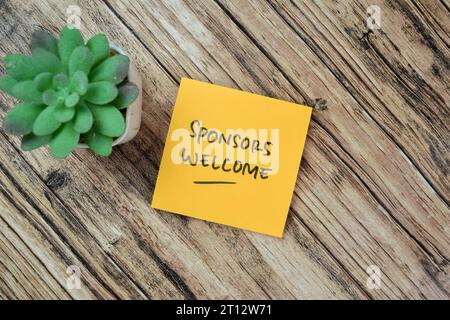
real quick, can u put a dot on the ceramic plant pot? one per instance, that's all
(133, 112)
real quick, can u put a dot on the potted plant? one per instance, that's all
(73, 94)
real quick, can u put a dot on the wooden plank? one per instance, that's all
(358, 229)
(18, 263)
(410, 191)
(436, 14)
(197, 40)
(394, 179)
(94, 252)
(166, 255)
(53, 235)
(398, 77)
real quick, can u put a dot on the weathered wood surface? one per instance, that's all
(372, 190)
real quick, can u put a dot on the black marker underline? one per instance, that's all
(214, 182)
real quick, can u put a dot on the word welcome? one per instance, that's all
(226, 165)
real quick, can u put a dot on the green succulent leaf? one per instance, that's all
(60, 81)
(127, 94)
(50, 97)
(43, 40)
(46, 123)
(99, 47)
(79, 82)
(7, 83)
(113, 69)
(63, 113)
(27, 91)
(100, 144)
(72, 100)
(31, 141)
(43, 81)
(70, 38)
(80, 60)
(19, 67)
(45, 61)
(64, 141)
(20, 119)
(108, 120)
(101, 92)
(83, 120)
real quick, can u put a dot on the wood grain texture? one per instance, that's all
(373, 187)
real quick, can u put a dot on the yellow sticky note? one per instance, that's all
(231, 157)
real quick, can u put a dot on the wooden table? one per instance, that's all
(373, 189)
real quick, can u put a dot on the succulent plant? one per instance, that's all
(71, 92)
